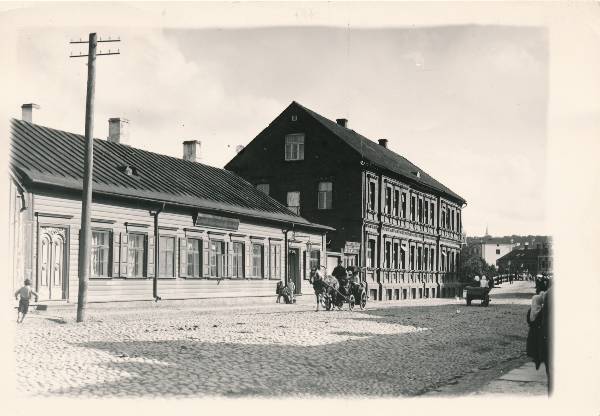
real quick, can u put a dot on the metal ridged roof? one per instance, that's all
(41, 155)
(381, 156)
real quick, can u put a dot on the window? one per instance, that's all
(396, 254)
(458, 222)
(293, 202)
(388, 254)
(432, 215)
(420, 216)
(403, 205)
(294, 147)
(217, 258)
(413, 203)
(412, 258)
(263, 187)
(294, 117)
(371, 253)
(425, 258)
(443, 218)
(448, 218)
(497, 251)
(426, 212)
(100, 253)
(193, 257)
(136, 251)
(388, 200)
(453, 215)
(432, 258)
(166, 253)
(419, 258)
(396, 202)
(315, 259)
(372, 196)
(237, 269)
(257, 260)
(402, 258)
(325, 195)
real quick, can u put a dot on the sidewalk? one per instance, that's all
(524, 380)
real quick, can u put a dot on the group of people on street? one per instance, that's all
(342, 274)
(539, 319)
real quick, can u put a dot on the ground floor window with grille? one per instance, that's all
(166, 256)
(194, 248)
(100, 253)
(257, 260)
(136, 254)
(371, 253)
(237, 260)
(217, 259)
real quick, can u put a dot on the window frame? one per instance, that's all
(261, 269)
(159, 272)
(260, 187)
(109, 257)
(294, 142)
(294, 208)
(190, 241)
(144, 250)
(218, 266)
(327, 194)
(237, 260)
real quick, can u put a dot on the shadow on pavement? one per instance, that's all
(457, 341)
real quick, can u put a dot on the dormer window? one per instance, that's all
(294, 146)
(129, 170)
(294, 117)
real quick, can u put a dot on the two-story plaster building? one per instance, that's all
(392, 219)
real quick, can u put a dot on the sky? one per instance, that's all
(467, 103)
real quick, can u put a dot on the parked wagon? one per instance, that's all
(471, 293)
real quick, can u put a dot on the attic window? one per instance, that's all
(294, 117)
(129, 170)
(417, 173)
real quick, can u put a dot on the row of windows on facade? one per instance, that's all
(423, 211)
(221, 259)
(324, 196)
(420, 258)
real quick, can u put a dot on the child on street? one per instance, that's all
(25, 293)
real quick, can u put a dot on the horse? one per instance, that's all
(323, 286)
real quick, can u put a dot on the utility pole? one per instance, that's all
(85, 237)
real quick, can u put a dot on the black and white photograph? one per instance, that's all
(311, 203)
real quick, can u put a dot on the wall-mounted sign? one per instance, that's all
(214, 221)
(352, 247)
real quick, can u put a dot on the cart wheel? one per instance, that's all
(328, 302)
(351, 302)
(363, 300)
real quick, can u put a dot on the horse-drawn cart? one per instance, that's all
(350, 291)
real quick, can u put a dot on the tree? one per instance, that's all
(472, 265)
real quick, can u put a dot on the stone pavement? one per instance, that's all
(524, 380)
(186, 349)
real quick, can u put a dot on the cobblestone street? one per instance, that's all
(405, 349)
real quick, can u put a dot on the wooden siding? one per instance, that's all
(120, 219)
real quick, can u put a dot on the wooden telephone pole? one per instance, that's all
(85, 237)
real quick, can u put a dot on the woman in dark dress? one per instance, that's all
(536, 346)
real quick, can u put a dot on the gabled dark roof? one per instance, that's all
(381, 156)
(44, 156)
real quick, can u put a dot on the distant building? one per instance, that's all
(523, 259)
(399, 224)
(490, 249)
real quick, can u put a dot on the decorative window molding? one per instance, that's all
(53, 215)
(103, 221)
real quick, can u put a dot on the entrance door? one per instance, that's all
(294, 268)
(51, 284)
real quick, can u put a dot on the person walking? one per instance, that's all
(24, 293)
(538, 334)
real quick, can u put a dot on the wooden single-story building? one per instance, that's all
(199, 231)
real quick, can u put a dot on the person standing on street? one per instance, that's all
(340, 272)
(25, 295)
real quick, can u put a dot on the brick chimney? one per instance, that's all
(118, 130)
(191, 150)
(27, 111)
(342, 122)
(383, 142)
